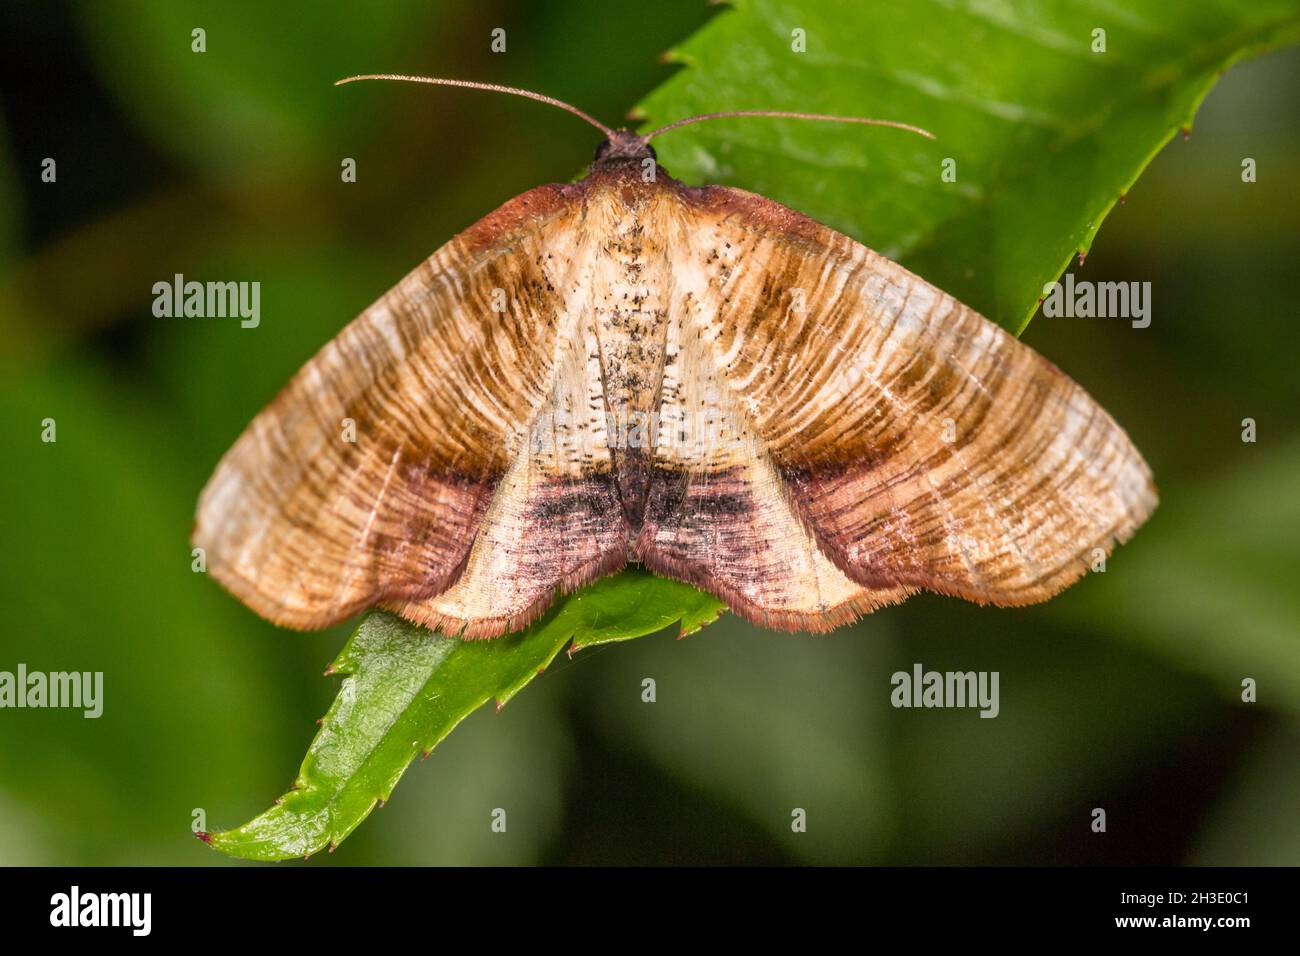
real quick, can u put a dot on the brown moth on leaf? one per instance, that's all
(698, 379)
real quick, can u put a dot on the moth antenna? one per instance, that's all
(491, 87)
(782, 114)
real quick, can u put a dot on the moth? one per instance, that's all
(696, 379)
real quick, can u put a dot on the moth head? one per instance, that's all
(623, 144)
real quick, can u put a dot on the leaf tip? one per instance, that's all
(204, 835)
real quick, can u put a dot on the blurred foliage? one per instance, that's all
(265, 77)
(1122, 693)
(1221, 562)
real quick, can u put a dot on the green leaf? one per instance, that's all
(1046, 134)
(407, 688)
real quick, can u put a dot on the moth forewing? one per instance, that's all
(651, 393)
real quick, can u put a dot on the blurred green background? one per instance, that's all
(1122, 693)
